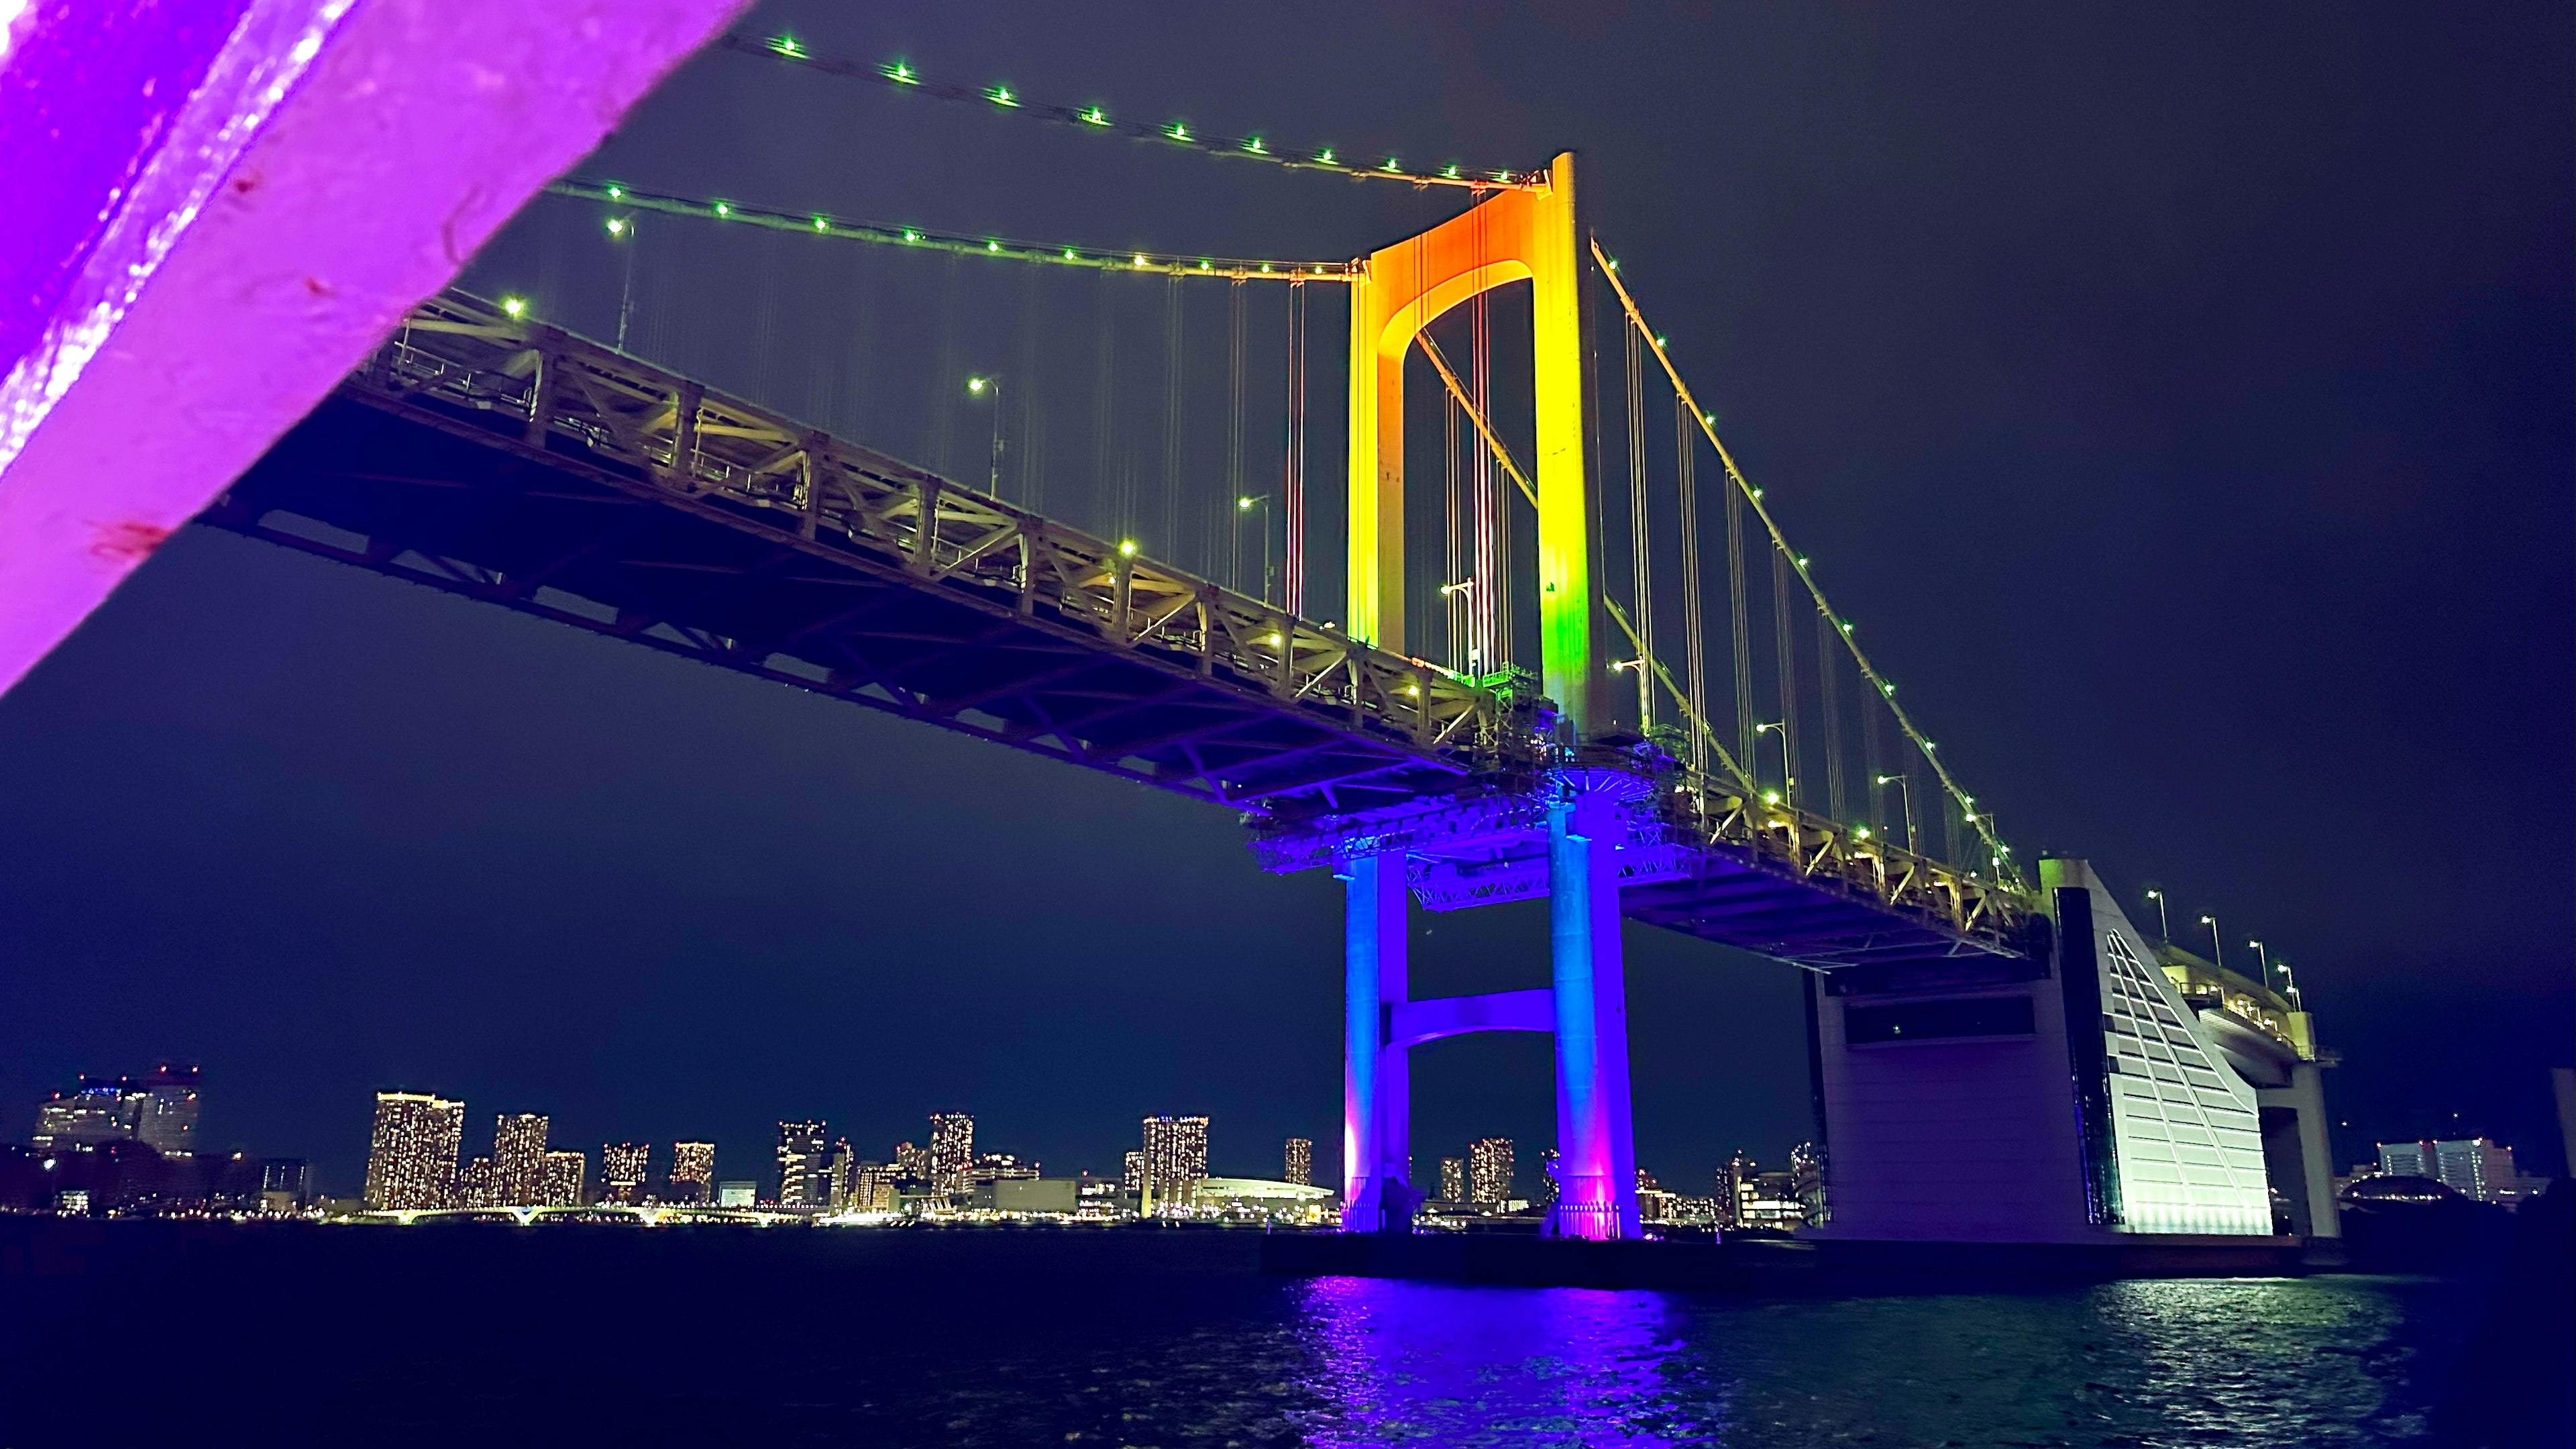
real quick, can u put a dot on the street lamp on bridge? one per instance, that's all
(1243, 508)
(1905, 802)
(2164, 928)
(622, 229)
(2263, 956)
(1645, 685)
(1788, 786)
(2217, 947)
(989, 388)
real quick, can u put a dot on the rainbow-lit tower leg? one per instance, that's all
(1596, 1189)
(1376, 1094)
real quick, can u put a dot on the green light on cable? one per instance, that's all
(901, 74)
(786, 45)
(1095, 117)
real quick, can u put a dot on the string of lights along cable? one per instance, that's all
(900, 75)
(1798, 736)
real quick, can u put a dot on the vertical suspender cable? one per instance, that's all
(1169, 541)
(1829, 697)
(1493, 501)
(1022, 390)
(1294, 599)
(1108, 494)
(1694, 623)
(1742, 624)
(949, 382)
(1462, 550)
(1229, 517)
(1640, 535)
(1784, 649)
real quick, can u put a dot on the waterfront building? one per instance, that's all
(800, 1165)
(285, 1184)
(1175, 1158)
(1453, 1179)
(1031, 1194)
(97, 1110)
(911, 1162)
(165, 1111)
(1131, 1175)
(872, 1188)
(952, 1150)
(567, 1178)
(519, 1159)
(840, 1176)
(624, 1168)
(411, 1153)
(737, 1194)
(1255, 1199)
(1734, 1189)
(2473, 1167)
(1547, 1176)
(1300, 1162)
(474, 1185)
(693, 1172)
(1654, 1205)
(1769, 1201)
(1807, 1183)
(1489, 1170)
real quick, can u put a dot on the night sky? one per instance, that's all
(2180, 399)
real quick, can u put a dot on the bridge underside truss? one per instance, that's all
(521, 466)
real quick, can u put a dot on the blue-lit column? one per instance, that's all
(1376, 1095)
(1596, 1190)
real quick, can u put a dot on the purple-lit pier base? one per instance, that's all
(1596, 1167)
(218, 207)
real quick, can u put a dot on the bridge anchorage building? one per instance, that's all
(1991, 1060)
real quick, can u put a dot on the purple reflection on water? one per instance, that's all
(1429, 1363)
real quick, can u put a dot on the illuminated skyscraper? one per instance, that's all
(1131, 1175)
(623, 1169)
(1300, 1166)
(1547, 1160)
(1453, 1179)
(411, 1154)
(567, 1177)
(1807, 1183)
(1489, 1170)
(1175, 1159)
(693, 1172)
(474, 1187)
(519, 1159)
(952, 1150)
(98, 1109)
(871, 1188)
(801, 1183)
(166, 1110)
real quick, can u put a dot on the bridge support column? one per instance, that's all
(1596, 1187)
(1377, 1094)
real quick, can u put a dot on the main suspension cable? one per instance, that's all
(1002, 99)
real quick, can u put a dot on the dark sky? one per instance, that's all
(2180, 397)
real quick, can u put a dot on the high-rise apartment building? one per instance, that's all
(871, 1188)
(519, 1159)
(693, 1172)
(411, 1153)
(2473, 1167)
(624, 1167)
(1453, 1179)
(1489, 1170)
(567, 1179)
(1547, 1161)
(912, 1162)
(801, 1183)
(474, 1187)
(1175, 1159)
(166, 1110)
(952, 1150)
(96, 1110)
(1807, 1183)
(1299, 1167)
(1131, 1175)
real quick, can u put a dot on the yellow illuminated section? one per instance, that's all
(1517, 235)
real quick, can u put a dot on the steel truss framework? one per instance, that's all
(510, 462)
(1695, 858)
(514, 463)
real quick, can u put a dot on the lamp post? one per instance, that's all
(622, 229)
(989, 387)
(2164, 928)
(2217, 947)
(1788, 786)
(2290, 986)
(1244, 507)
(1904, 800)
(2263, 956)
(1645, 683)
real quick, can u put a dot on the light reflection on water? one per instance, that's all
(1405, 1363)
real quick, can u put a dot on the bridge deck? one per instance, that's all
(518, 465)
(512, 463)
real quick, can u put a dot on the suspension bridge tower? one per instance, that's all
(1591, 784)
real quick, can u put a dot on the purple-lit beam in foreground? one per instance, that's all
(1596, 1190)
(217, 207)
